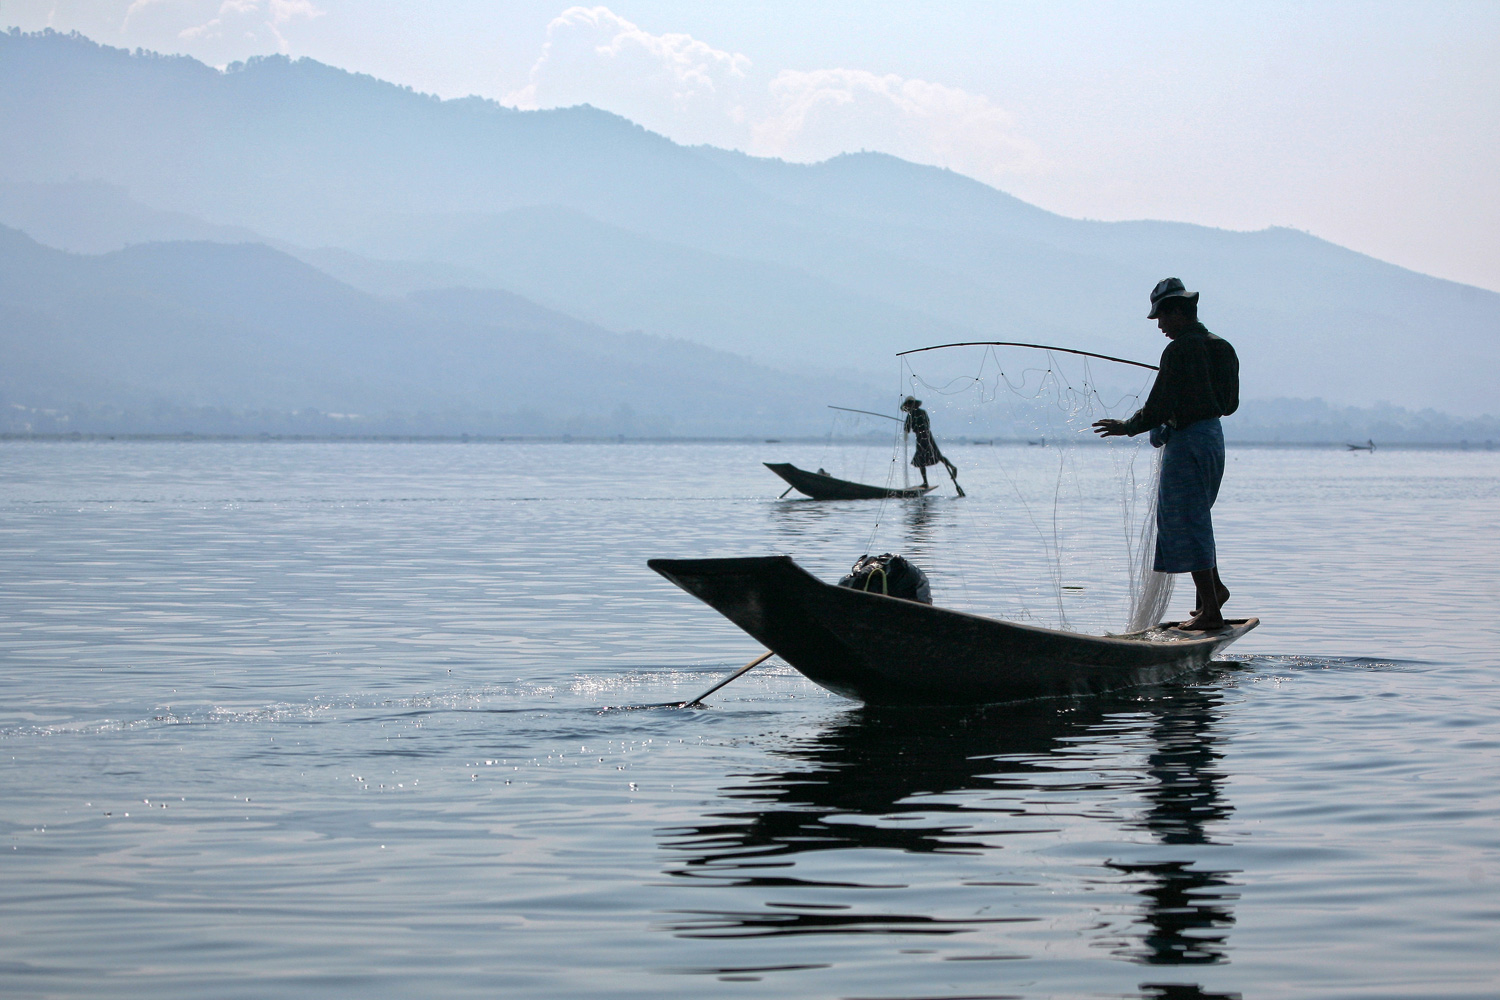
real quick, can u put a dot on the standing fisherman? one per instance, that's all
(918, 423)
(1197, 383)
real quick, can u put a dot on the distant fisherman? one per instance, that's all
(1198, 382)
(918, 423)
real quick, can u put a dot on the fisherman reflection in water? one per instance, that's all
(1197, 383)
(918, 423)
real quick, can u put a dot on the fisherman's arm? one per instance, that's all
(1158, 403)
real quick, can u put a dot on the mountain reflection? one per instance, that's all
(938, 783)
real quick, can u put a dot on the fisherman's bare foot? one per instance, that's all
(1202, 623)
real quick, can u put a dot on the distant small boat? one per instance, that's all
(888, 651)
(1367, 446)
(821, 486)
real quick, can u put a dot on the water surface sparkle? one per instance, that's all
(332, 720)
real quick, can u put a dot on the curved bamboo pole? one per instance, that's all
(1040, 347)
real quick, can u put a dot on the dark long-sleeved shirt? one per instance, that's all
(1199, 378)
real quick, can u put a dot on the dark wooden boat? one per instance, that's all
(824, 487)
(888, 651)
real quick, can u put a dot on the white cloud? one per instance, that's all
(671, 83)
(242, 21)
(824, 112)
(283, 11)
(693, 92)
(137, 6)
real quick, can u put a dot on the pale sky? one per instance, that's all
(1374, 125)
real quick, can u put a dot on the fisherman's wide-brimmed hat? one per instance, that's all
(910, 401)
(1169, 288)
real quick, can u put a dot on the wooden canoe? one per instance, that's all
(824, 487)
(889, 651)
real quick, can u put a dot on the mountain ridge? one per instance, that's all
(834, 266)
(244, 328)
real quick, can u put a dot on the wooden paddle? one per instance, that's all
(762, 658)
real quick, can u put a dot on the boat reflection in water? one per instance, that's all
(959, 835)
(1187, 911)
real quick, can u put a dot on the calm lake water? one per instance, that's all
(333, 720)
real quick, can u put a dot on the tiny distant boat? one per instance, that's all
(1367, 446)
(821, 486)
(888, 651)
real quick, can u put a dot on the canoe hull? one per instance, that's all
(888, 651)
(822, 487)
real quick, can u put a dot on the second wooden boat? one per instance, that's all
(888, 651)
(821, 486)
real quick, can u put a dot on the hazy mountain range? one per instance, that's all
(213, 338)
(313, 227)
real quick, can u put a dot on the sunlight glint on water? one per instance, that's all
(322, 719)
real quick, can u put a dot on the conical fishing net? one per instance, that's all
(1058, 528)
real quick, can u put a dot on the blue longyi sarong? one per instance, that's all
(1192, 467)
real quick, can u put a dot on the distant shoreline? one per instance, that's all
(189, 437)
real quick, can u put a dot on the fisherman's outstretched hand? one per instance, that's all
(1109, 428)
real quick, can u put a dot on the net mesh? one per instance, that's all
(1059, 526)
